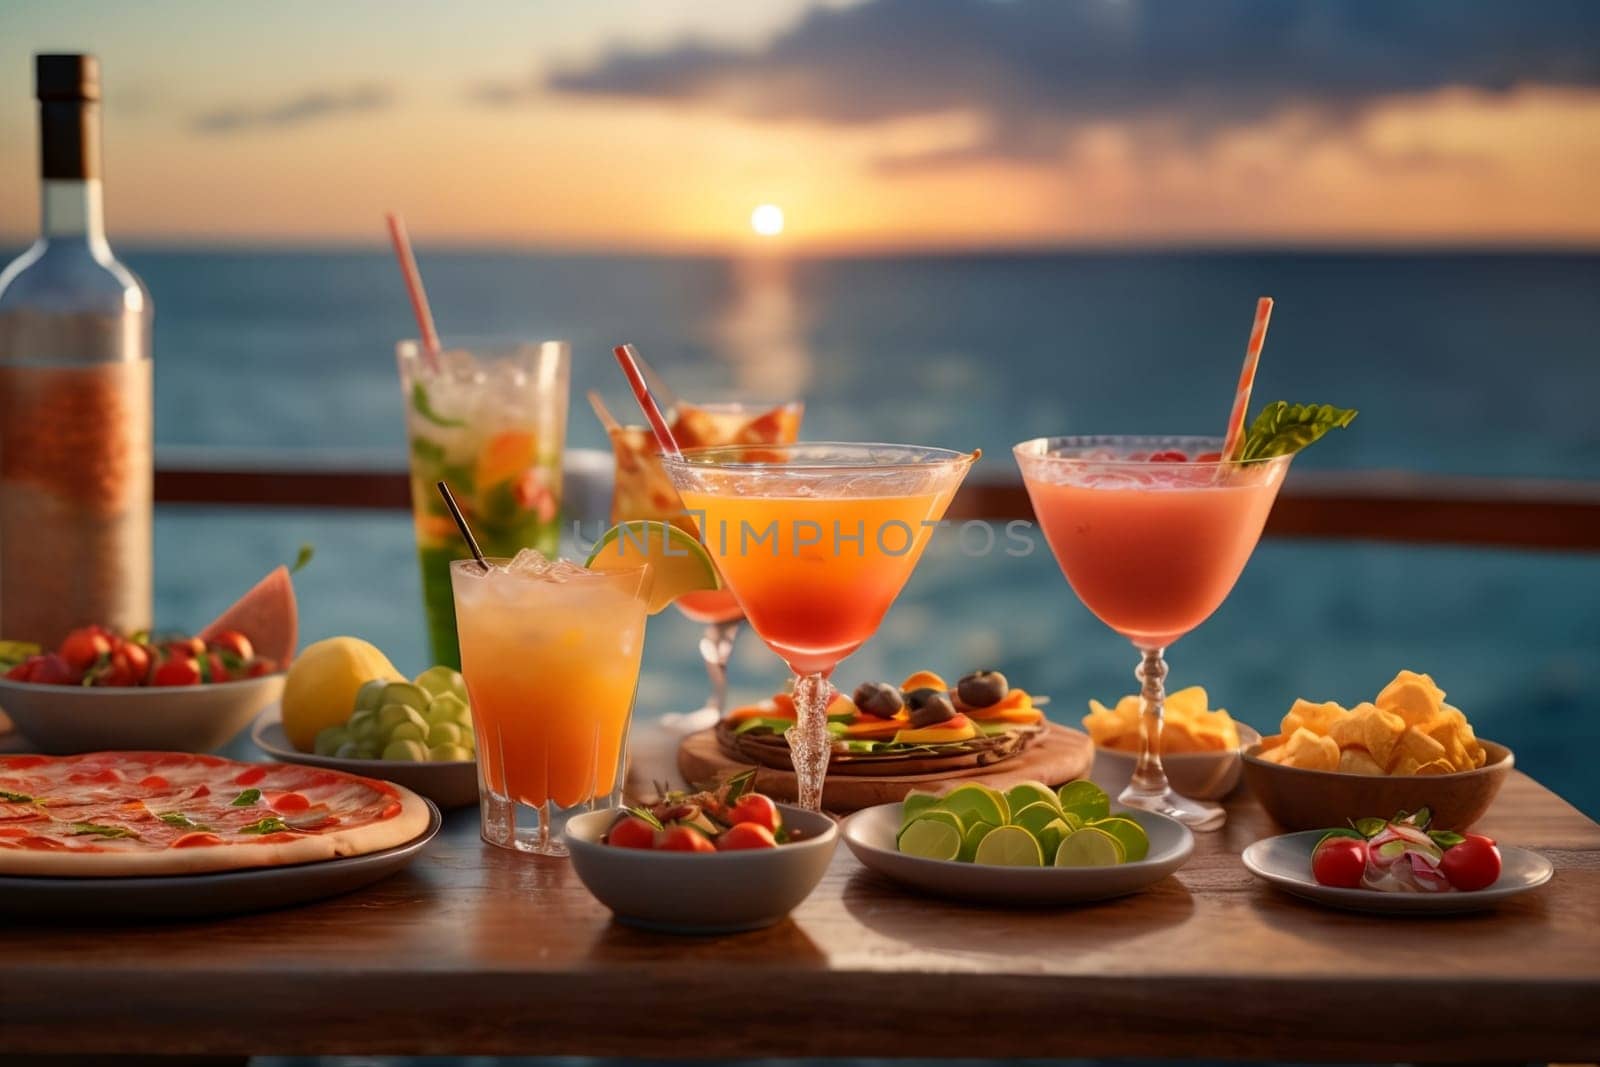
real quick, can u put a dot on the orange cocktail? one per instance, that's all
(1152, 542)
(550, 653)
(816, 541)
(642, 490)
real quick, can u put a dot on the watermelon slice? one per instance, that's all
(266, 615)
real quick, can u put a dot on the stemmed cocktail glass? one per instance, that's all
(1152, 547)
(816, 541)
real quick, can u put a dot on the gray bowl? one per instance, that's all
(453, 784)
(67, 719)
(702, 893)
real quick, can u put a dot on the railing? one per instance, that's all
(1375, 506)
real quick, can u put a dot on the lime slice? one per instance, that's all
(915, 804)
(1089, 847)
(1009, 846)
(1036, 817)
(679, 563)
(977, 803)
(949, 818)
(1085, 800)
(930, 839)
(1022, 794)
(971, 839)
(1135, 842)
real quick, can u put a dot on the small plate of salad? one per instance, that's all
(1397, 866)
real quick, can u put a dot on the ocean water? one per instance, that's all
(1466, 364)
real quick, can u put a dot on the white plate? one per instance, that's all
(871, 832)
(449, 785)
(1285, 861)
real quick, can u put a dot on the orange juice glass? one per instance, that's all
(550, 652)
(1152, 547)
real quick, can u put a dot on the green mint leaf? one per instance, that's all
(426, 450)
(245, 799)
(80, 829)
(15, 798)
(1283, 429)
(646, 814)
(737, 786)
(178, 818)
(270, 825)
(420, 402)
(1446, 838)
(302, 558)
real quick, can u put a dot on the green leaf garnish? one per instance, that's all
(646, 814)
(178, 818)
(270, 825)
(1341, 831)
(1446, 838)
(79, 829)
(1283, 428)
(245, 799)
(15, 798)
(420, 402)
(1370, 827)
(737, 786)
(303, 557)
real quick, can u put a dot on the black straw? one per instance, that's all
(461, 522)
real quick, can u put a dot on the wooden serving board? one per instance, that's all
(1058, 755)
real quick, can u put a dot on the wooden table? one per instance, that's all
(475, 950)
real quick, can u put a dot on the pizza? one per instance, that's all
(119, 814)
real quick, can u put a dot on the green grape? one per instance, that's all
(329, 739)
(448, 754)
(370, 696)
(407, 694)
(444, 733)
(464, 718)
(445, 708)
(439, 681)
(369, 748)
(408, 731)
(348, 750)
(406, 751)
(392, 715)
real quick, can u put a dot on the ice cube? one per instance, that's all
(529, 563)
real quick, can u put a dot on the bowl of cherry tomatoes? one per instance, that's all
(714, 862)
(104, 690)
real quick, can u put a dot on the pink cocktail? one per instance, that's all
(1152, 548)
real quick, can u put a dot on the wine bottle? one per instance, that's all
(75, 393)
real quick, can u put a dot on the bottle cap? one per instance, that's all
(72, 76)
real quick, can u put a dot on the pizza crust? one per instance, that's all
(208, 859)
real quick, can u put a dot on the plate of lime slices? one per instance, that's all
(1029, 844)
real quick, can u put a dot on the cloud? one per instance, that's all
(295, 111)
(1036, 71)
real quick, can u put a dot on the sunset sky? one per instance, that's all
(872, 124)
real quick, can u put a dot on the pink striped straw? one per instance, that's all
(1234, 441)
(628, 359)
(414, 289)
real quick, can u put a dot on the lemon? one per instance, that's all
(931, 839)
(321, 687)
(1090, 847)
(1009, 846)
(679, 563)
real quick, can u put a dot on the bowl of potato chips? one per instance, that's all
(1199, 744)
(1404, 750)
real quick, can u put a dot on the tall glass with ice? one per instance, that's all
(550, 651)
(489, 418)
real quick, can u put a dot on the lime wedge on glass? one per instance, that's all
(1089, 847)
(1135, 842)
(1085, 800)
(972, 839)
(679, 563)
(930, 839)
(1022, 794)
(977, 803)
(1009, 846)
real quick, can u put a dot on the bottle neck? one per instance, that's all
(72, 210)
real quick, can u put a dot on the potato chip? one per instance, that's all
(1438, 766)
(1357, 760)
(1447, 731)
(1317, 718)
(1414, 749)
(1186, 702)
(1413, 697)
(1311, 752)
(1435, 694)
(1189, 725)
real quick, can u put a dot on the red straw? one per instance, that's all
(419, 296)
(629, 361)
(1234, 441)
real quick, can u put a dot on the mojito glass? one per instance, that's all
(490, 419)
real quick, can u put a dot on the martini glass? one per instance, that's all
(816, 540)
(1152, 549)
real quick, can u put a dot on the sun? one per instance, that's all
(767, 220)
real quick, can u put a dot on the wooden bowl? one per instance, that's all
(1313, 800)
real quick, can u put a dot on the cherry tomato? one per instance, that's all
(217, 669)
(1340, 861)
(128, 664)
(1473, 864)
(758, 809)
(746, 835)
(190, 647)
(84, 646)
(630, 831)
(683, 839)
(259, 667)
(178, 670)
(23, 672)
(1171, 455)
(234, 643)
(52, 669)
(1209, 457)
